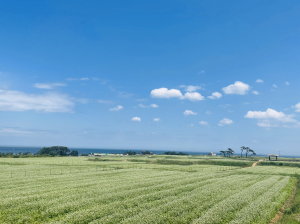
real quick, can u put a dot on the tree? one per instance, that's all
(242, 149)
(54, 151)
(74, 153)
(252, 151)
(147, 152)
(130, 153)
(223, 153)
(229, 152)
(247, 151)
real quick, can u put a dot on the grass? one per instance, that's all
(141, 189)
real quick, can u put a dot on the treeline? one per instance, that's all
(130, 153)
(57, 151)
(46, 151)
(229, 152)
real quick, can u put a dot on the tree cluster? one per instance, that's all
(229, 152)
(57, 151)
(147, 153)
(175, 153)
(247, 151)
(130, 153)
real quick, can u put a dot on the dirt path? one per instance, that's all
(254, 164)
(280, 213)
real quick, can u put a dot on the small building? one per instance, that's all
(212, 154)
(273, 155)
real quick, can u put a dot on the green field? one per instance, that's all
(141, 189)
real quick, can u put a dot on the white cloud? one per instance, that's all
(270, 114)
(194, 96)
(165, 93)
(203, 123)
(297, 106)
(136, 119)
(84, 79)
(117, 108)
(189, 112)
(271, 118)
(225, 121)
(259, 80)
(48, 85)
(201, 72)
(215, 95)
(49, 102)
(192, 88)
(236, 88)
(105, 101)
(153, 105)
(156, 119)
(275, 86)
(208, 112)
(287, 83)
(255, 92)
(145, 106)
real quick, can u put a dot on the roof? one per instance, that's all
(272, 155)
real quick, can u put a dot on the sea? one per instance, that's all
(34, 150)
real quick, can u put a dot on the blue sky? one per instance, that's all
(160, 75)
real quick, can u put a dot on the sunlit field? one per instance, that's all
(133, 190)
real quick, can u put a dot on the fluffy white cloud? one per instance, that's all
(287, 83)
(136, 119)
(151, 105)
(275, 86)
(208, 112)
(85, 79)
(189, 112)
(255, 92)
(117, 108)
(48, 85)
(236, 88)
(194, 96)
(203, 123)
(271, 118)
(49, 102)
(225, 121)
(156, 119)
(270, 114)
(259, 80)
(201, 72)
(165, 93)
(297, 106)
(215, 95)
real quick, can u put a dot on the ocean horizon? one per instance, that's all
(81, 150)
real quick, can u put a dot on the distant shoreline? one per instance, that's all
(34, 149)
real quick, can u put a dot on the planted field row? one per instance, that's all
(140, 196)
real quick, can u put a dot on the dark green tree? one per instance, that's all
(229, 152)
(223, 153)
(242, 150)
(54, 151)
(74, 153)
